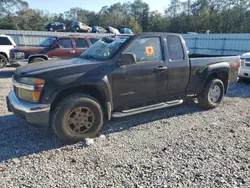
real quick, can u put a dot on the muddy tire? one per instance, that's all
(212, 94)
(77, 117)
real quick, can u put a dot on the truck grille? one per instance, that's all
(247, 64)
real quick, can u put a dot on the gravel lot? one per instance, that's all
(183, 146)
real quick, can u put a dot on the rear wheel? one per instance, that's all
(212, 94)
(38, 59)
(3, 61)
(77, 117)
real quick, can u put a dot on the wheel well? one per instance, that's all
(4, 54)
(87, 89)
(222, 75)
(33, 57)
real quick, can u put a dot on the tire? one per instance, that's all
(77, 28)
(3, 61)
(34, 60)
(212, 101)
(65, 113)
(51, 29)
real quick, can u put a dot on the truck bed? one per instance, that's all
(199, 65)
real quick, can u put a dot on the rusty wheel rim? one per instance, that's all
(80, 120)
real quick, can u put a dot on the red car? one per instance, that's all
(52, 47)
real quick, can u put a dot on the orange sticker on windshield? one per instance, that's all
(150, 51)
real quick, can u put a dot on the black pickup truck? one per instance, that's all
(117, 76)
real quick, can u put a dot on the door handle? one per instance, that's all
(72, 51)
(160, 68)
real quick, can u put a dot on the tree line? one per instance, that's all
(218, 16)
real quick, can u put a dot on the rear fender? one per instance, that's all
(218, 70)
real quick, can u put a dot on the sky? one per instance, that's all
(60, 6)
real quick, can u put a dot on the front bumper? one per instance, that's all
(36, 114)
(244, 72)
(21, 62)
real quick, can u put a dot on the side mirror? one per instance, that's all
(127, 59)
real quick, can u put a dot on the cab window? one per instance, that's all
(175, 49)
(81, 43)
(65, 43)
(146, 49)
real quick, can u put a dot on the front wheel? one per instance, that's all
(77, 117)
(212, 94)
(3, 61)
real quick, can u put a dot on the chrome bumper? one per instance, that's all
(35, 114)
(25, 106)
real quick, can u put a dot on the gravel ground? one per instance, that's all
(184, 146)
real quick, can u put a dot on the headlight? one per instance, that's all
(19, 55)
(29, 89)
(242, 62)
(32, 81)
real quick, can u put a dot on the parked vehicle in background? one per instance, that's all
(192, 33)
(51, 47)
(125, 30)
(79, 26)
(56, 26)
(98, 29)
(117, 76)
(113, 30)
(6, 43)
(245, 66)
(200, 32)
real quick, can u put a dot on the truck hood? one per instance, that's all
(28, 49)
(56, 67)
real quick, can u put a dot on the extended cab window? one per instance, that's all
(146, 49)
(175, 49)
(4, 41)
(65, 43)
(81, 43)
(93, 40)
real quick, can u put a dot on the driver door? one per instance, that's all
(139, 83)
(64, 49)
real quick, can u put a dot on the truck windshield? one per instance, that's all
(103, 49)
(47, 42)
